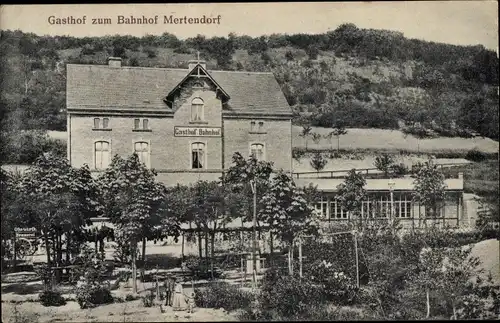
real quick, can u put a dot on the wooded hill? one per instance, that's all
(350, 76)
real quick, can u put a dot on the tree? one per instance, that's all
(287, 211)
(318, 162)
(246, 181)
(351, 193)
(306, 132)
(429, 188)
(58, 200)
(134, 202)
(207, 206)
(384, 163)
(316, 137)
(338, 130)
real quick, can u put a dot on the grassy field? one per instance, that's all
(392, 140)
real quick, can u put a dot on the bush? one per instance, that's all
(399, 169)
(217, 295)
(52, 298)
(475, 155)
(337, 286)
(89, 296)
(148, 299)
(131, 297)
(288, 295)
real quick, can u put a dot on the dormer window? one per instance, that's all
(197, 109)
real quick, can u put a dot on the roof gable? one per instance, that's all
(199, 72)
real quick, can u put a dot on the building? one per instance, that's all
(187, 124)
(184, 123)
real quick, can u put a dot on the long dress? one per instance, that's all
(179, 302)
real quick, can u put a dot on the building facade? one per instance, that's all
(184, 123)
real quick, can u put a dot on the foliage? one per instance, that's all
(286, 209)
(429, 188)
(24, 147)
(475, 155)
(148, 299)
(92, 295)
(316, 137)
(336, 285)
(351, 192)
(57, 199)
(286, 296)
(306, 132)
(318, 162)
(52, 298)
(338, 130)
(384, 162)
(222, 295)
(91, 288)
(399, 169)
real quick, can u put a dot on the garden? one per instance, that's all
(362, 271)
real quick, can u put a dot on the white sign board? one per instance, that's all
(197, 131)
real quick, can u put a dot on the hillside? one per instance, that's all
(349, 77)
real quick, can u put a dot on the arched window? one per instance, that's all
(141, 148)
(257, 150)
(102, 154)
(105, 123)
(197, 155)
(197, 109)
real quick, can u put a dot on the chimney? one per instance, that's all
(194, 62)
(115, 62)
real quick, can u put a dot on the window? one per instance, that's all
(141, 122)
(197, 155)
(145, 124)
(336, 211)
(141, 148)
(105, 123)
(257, 150)
(261, 126)
(322, 208)
(402, 207)
(97, 123)
(137, 123)
(252, 126)
(197, 109)
(102, 154)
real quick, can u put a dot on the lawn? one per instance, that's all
(392, 140)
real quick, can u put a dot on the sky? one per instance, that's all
(453, 22)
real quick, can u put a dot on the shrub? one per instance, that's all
(288, 295)
(337, 286)
(52, 298)
(217, 295)
(475, 155)
(89, 296)
(148, 299)
(399, 169)
(131, 297)
(297, 154)
(318, 162)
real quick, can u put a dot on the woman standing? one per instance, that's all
(179, 302)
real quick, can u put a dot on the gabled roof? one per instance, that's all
(199, 68)
(101, 87)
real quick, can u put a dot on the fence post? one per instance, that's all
(357, 258)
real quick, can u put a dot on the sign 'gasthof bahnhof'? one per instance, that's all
(185, 123)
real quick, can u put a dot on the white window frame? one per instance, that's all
(205, 159)
(148, 142)
(94, 152)
(200, 110)
(98, 123)
(264, 157)
(336, 211)
(321, 208)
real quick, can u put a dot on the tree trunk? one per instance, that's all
(134, 267)
(212, 246)
(428, 302)
(68, 247)
(144, 250)
(206, 247)
(338, 144)
(271, 252)
(200, 250)
(14, 250)
(47, 247)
